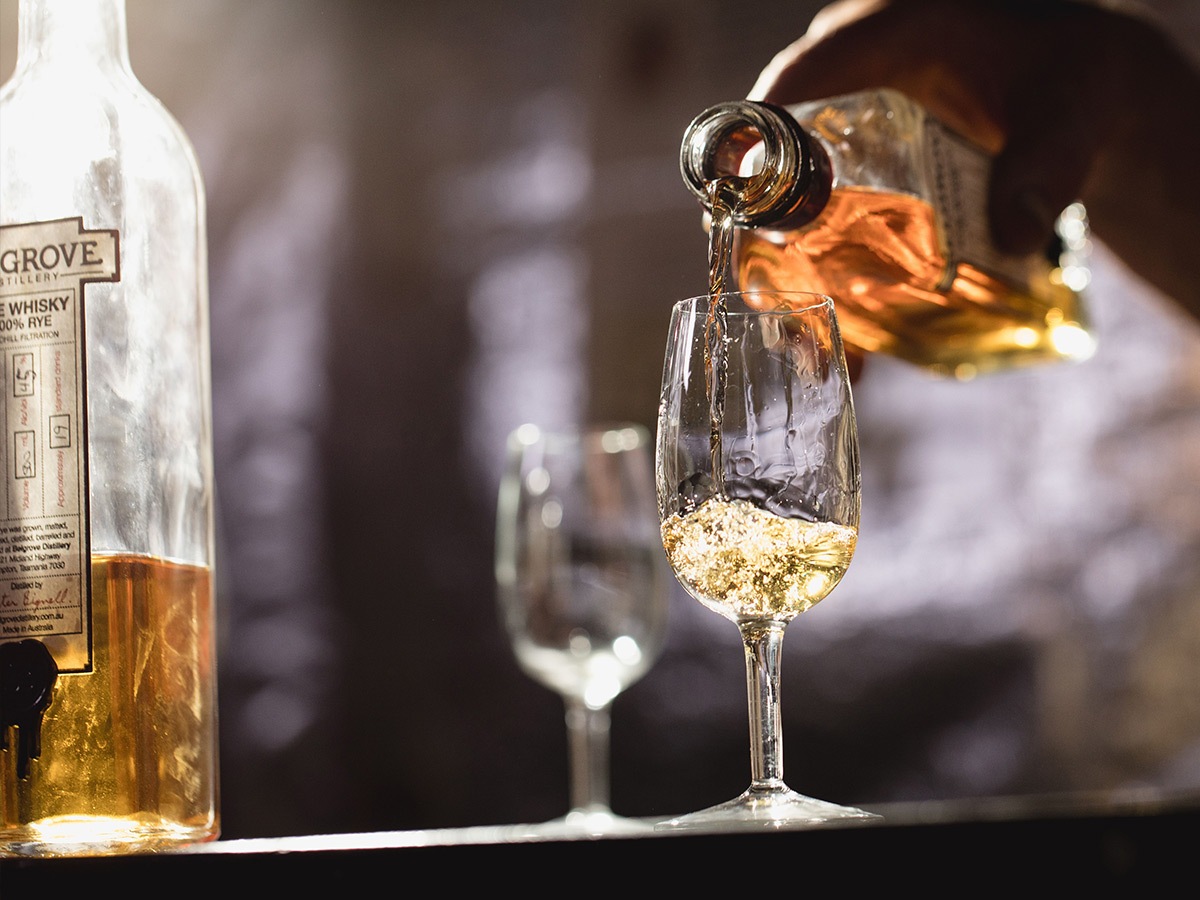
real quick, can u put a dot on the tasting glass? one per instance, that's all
(582, 583)
(758, 493)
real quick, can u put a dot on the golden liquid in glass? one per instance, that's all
(746, 563)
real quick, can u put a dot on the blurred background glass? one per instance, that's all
(430, 223)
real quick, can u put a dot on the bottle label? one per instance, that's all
(959, 173)
(45, 552)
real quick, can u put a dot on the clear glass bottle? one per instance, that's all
(107, 664)
(871, 200)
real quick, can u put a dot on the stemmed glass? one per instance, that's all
(582, 583)
(758, 494)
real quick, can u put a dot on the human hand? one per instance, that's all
(1032, 82)
(1077, 101)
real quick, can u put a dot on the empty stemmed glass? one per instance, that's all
(582, 583)
(758, 494)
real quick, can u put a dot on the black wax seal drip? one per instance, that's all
(27, 676)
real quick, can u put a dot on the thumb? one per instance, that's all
(1041, 170)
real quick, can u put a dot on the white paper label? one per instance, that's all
(959, 173)
(45, 553)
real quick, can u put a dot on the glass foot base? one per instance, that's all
(602, 821)
(759, 809)
(593, 822)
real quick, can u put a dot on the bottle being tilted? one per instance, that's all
(107, 680)
(869, 199)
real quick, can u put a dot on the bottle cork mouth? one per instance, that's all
(759, 155)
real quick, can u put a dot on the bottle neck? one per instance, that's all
(87, 33)
(774, 172)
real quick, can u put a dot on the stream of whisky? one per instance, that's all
(723, 194)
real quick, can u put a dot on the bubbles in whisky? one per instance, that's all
(747, 563)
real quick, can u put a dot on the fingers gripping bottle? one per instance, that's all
(107, 679)
(869, 199)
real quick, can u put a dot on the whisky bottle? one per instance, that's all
(107, 679)
(871, 200)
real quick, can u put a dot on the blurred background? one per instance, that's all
(429, 223)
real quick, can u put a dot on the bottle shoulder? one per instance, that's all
(900, 112)
(874, 139)
(43, 107)
(59, 132)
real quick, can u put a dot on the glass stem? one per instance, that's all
(764, 643)
(587, 734)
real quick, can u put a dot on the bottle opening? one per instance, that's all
(741, 153)
(766, 159)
